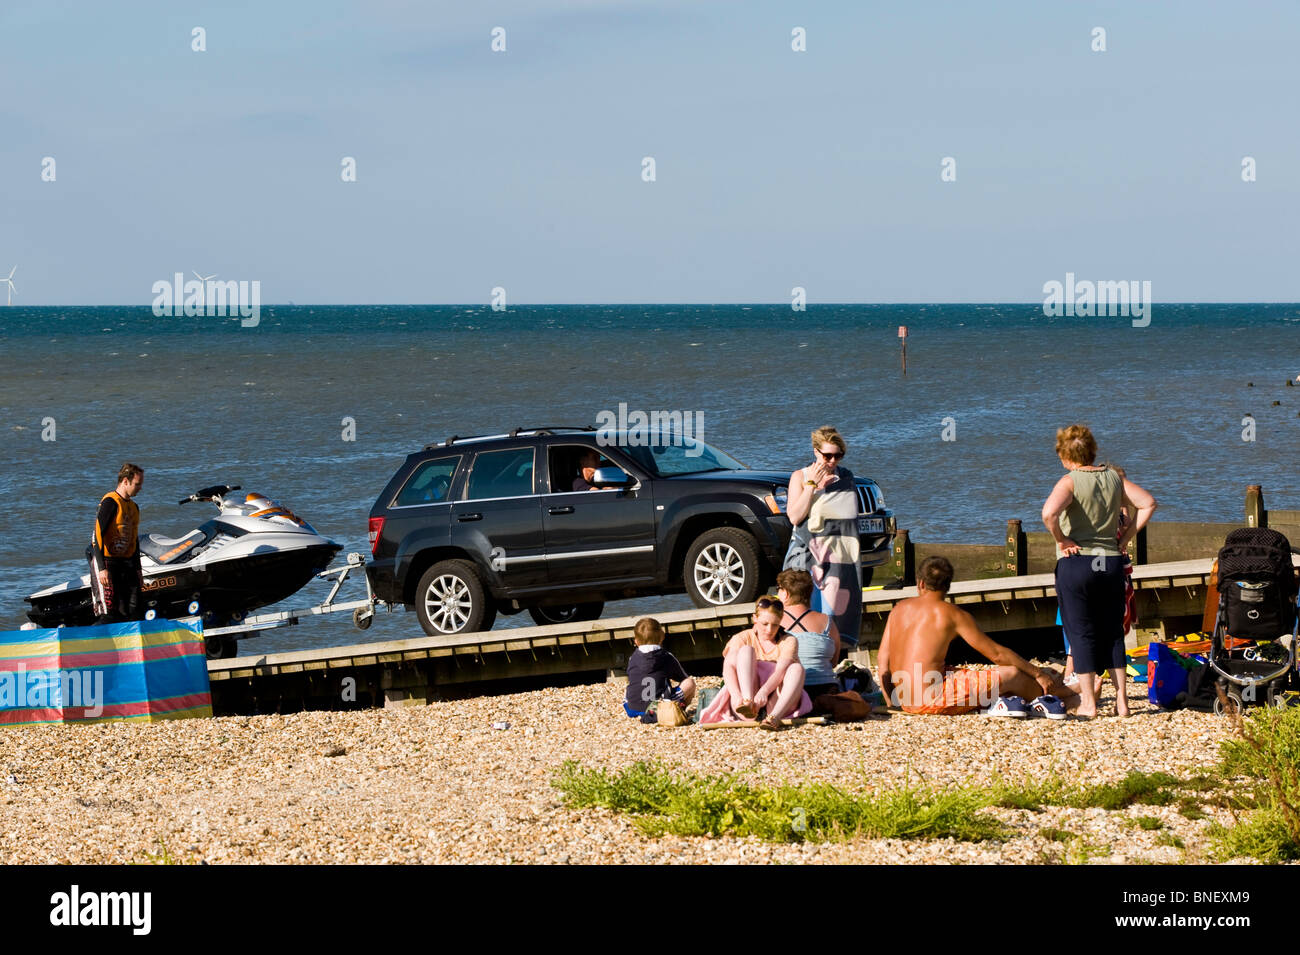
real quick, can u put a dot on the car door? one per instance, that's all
(598, 536)
(499, 518)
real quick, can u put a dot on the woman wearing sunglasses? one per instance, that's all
(760, 671)
(822, 505)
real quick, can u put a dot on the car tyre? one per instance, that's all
(572, 613)
(721, 568)
(451, 599)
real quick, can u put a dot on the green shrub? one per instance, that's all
(1265, 757)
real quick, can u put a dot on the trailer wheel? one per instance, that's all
(451, 599)
(221, 647)
(573, 613)
(363, 617)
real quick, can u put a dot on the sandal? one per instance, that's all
(771, 724)
(747, 709)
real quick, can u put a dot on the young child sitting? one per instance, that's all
(651, 671)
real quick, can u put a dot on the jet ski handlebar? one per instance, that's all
(212, 494)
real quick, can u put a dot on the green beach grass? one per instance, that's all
(1257, 779)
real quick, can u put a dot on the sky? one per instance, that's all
(774, 168)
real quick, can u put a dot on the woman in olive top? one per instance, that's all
(1082, 515)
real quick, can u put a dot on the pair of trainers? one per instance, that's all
(1014, 707)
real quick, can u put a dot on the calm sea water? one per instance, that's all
(200, 401)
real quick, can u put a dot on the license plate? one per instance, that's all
(871, 525)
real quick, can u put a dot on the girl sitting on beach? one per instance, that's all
(760, 670)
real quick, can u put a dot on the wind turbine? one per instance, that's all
(10, 282)
(203, 287)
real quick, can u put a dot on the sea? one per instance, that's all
(316, 407)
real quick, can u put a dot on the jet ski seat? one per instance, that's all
(165, 550)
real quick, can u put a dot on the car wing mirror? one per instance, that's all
(611, 477)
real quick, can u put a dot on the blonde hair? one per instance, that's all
(1076, 444)
(826, 433)
(648, 630)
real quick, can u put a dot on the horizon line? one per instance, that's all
(1036, 304)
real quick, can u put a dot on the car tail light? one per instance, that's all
(376, 528)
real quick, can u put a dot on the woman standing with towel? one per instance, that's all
(822, 504)
(1082, 514)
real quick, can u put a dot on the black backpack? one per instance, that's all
(1258, 584)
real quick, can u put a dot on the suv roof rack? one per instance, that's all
(552, 429)
(460, 437)
(514, 433)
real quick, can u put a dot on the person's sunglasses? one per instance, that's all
(769, 603)
(832, 455)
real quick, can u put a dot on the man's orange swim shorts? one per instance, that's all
(964, 691)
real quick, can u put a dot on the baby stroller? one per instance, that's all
(1253, 646)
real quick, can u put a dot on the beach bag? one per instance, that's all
(1177, 680)
(1201, 683)
(669, 713)
(846, 707)
(853, 677)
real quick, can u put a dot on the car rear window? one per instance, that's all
(502, 474)
(429, 483)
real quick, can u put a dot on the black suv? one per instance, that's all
(475, 526)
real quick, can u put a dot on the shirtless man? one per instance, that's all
(915, 644)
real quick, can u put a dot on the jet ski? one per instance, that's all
(253, 553)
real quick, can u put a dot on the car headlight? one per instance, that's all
(880, 498)
(776, 501)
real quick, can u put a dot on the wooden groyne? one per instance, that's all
(1023, 552)
(1009, 589)
(1171, 597)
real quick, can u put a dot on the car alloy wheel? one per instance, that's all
(447, 603)
(451, 599)
(719, 573)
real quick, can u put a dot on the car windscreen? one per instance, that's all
(689, 457)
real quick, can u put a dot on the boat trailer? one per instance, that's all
(222, 642)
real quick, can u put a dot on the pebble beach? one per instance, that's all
(438, 784)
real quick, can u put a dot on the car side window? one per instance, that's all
(565, 465)
(502, 474)
(429, 484)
